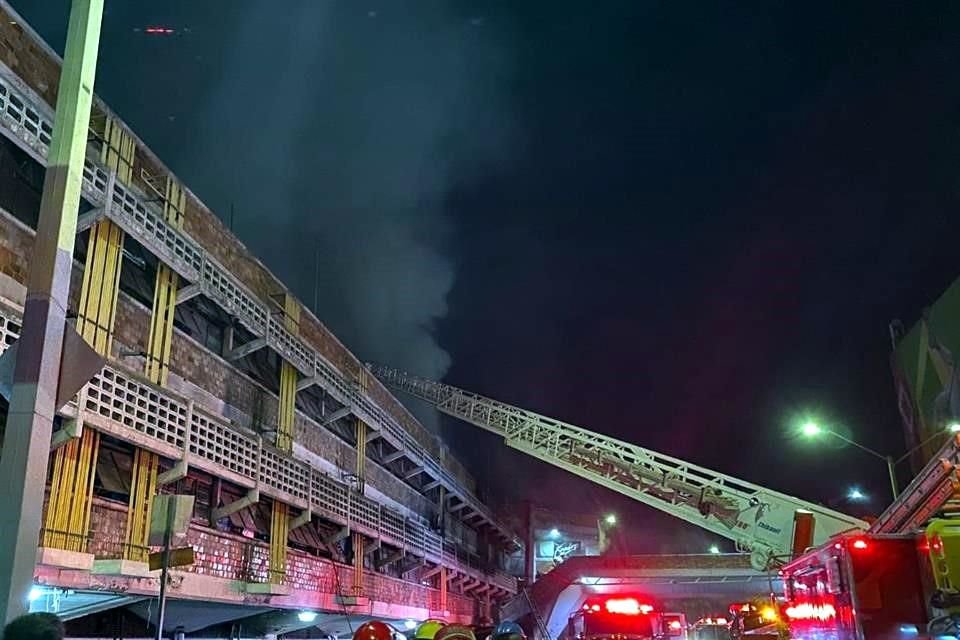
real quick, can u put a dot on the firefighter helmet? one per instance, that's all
(508, 630)
(374, 630)
(428, 629)
(455, 632)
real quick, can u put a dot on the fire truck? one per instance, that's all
(898, 577)
(876, 586)
(617, 617)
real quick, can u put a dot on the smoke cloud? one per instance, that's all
(337, 132)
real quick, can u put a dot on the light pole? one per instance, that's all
(811, 429)
(26, 447)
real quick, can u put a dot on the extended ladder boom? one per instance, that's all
(757, 519)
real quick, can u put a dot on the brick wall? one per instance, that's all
(15, 247)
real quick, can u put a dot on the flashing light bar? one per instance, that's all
(807, 611)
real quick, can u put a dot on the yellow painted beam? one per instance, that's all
(288, 381)
(67, 520)
(358, 556)
(143, 485)
(279, 531)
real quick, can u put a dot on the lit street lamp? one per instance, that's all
(811, 429)
(855, 495)
(611, 519)
(714, 549)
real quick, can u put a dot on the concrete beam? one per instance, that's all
(470, 584)
(337, 535)
(370, 548)
(413, 473)
(307, 382)
(373, 435)
(458, 507)
(252, 498)
(336, 415)
(393, 457)
(304, 518)
(177, 472)
(247, 349)
(430, 486)
(188, 292)
(393, 557)
(90, 218)
(426, 575)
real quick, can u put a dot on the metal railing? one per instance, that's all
(240, 559)
(27, 120)
(127, 406)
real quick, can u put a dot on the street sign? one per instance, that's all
(180, 557)
(177, 521)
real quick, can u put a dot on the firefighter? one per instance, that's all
(428, 629)
(374, 630)
(454, 632)
(508, 631)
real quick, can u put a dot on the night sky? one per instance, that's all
(681, 224)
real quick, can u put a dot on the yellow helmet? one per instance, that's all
(428, 629)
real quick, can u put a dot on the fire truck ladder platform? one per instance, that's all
(929, 493)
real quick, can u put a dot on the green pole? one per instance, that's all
(26, 445)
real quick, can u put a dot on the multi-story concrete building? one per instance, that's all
(314, 488)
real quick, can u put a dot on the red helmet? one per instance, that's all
(374, 630)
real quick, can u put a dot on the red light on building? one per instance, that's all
(161, 31)
(859, 543)
(675, 625)
(595, 607)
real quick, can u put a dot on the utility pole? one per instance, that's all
(26, 445)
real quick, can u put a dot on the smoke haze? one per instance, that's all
(339, 143)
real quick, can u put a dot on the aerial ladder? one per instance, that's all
(771, 526)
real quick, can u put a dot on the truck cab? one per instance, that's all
(615, 617)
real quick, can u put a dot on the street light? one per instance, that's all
(856, 495)
(811, 429)
(714, 549)
(554, 533)
(611, 519)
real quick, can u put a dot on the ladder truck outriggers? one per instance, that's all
(844, 579)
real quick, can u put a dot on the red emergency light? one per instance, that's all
(161, 31)
(808, 611)
(860, 544)
(626, 606)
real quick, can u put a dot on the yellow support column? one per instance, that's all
(143, 483)
(67, 519)
(279, 530)
(358, 539)
(286, 412)
(288, 381)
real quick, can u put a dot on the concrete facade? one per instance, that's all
(401, 578)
